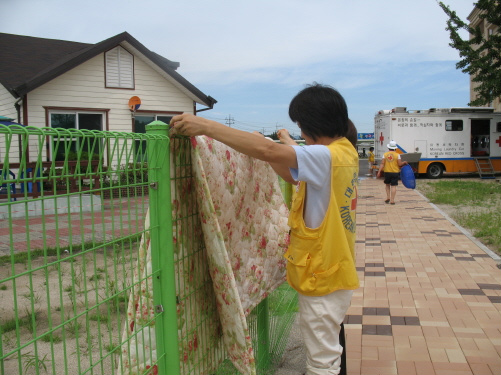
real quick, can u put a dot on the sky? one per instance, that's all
(254, 56)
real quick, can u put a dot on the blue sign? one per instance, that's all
(365, 135)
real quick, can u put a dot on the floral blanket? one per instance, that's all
(244, 223)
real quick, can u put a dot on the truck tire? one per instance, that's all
(435, 170)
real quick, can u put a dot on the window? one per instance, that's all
(454, 125)
(119, 68)
(498, 127)
(71, 146)
(140, 122)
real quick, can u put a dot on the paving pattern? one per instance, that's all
(430, 296)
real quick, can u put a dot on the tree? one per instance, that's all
(480, 55)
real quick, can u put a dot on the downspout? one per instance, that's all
(18, 109)
(17, 105)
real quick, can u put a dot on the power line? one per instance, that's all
(229, 121)
(250, 126)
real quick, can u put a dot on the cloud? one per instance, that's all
(241, 40)
(253, 56)
(292, 32)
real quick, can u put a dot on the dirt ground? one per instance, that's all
(73, 297)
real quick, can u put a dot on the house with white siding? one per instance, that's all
(57, 83)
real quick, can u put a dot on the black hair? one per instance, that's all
(320, 110)
(371, 148)
(351, 133)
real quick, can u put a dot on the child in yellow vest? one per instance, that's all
(372, 161)
(321, 255)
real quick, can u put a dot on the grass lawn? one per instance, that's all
(475, 205)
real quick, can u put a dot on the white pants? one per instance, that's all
(320, 320)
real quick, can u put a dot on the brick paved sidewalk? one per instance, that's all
(430, 297)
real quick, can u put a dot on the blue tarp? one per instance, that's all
(8, 123)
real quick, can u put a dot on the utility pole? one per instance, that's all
(229, 120)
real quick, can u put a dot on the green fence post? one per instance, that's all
(263, 335)
(164, 287)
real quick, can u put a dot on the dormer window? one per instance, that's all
(119, 68)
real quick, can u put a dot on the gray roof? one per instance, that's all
(29, 62)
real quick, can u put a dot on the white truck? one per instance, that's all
(441, 140)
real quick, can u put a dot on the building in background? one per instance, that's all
(117, 84)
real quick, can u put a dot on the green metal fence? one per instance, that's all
(73, 206)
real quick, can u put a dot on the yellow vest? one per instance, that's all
(372, 158)
(322, 260)
(390, 162)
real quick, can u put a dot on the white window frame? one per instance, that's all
(75, 113)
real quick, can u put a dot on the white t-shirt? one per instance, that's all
(314, 168)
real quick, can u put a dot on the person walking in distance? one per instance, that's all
(322, 218)
(372, 160)
(391, 165)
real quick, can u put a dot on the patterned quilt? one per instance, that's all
(244, 223)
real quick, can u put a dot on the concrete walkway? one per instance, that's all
(430, 295)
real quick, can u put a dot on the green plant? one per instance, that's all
(112, 348)
(68, 289)
(480, 50)
(95, 277)
(26, 321)
(103, 318)
(32, 296)
(22, 257)
(52, 338)
(73, 325)
(31, 320)
(457, 192)
(475, 206)
(10, 325)
(484, 225)
(32, 361)
(3, 287)
(133, 173)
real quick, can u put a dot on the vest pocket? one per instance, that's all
(302, 274)
(298, 271)
(324, 283)
(298, 258)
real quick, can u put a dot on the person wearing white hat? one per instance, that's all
(391, 164)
